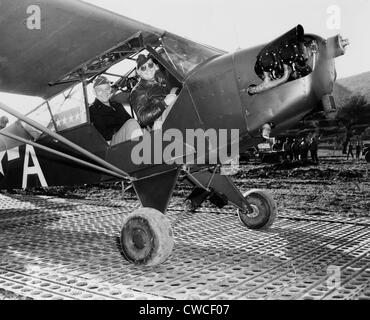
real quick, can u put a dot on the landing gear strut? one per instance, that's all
(257, 208)
(146, 237)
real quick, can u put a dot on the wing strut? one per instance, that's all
(64, 140)
(61, 154)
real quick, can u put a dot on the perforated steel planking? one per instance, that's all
(55, 248)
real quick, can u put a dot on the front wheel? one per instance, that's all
(264, 210)
(146, 237)
(367, 156)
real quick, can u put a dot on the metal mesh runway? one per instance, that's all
(52, 248)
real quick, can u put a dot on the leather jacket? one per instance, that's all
(147, 99)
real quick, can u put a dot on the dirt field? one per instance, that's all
(335, 187)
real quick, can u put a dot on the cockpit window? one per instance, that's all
(63, 111)
(68, 108)
(184, 54)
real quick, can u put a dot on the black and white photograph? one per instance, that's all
(193, 151)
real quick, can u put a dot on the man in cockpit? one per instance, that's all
(109, 117)
(152, 97)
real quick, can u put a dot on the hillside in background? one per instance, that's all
(341, 94)
(352, 97)
(357, 84)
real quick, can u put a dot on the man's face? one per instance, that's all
(147, 70)
(103, 92)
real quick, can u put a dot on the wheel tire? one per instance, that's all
(146, 237)
(367, 156)
(264, 207)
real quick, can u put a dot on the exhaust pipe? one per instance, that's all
(268, 84)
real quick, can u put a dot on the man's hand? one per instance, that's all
(170, 99)
(173, 90)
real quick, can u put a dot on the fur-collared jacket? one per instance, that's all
(147, 99)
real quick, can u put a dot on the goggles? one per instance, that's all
(150, 65)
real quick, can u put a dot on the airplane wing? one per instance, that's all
(35, 53)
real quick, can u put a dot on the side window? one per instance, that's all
(68, 108)
(40, 115)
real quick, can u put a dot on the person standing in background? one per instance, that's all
(3, 122)
(358, 150)
(350, 150)
(313, 150)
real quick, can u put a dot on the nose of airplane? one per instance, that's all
(325, 74)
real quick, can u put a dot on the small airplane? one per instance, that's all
(257, 91)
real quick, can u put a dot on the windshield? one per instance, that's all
(185, 54)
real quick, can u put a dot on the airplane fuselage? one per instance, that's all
(216, 95)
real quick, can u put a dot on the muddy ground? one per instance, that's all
(336, 186)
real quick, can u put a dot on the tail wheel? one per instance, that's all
(264, 210)
(146, 237)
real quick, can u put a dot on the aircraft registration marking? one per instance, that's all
(2, 153)
(13, 154)
(28, 170)
(32, 170)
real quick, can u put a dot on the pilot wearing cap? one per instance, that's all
(110, 117)
(152, 97)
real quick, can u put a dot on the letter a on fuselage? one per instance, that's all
(35, 169)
